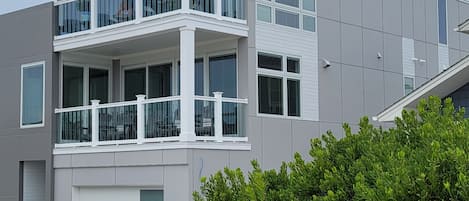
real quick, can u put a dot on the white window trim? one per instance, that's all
(23, 66)
(413, 83)
(446, 18)
(284, 75)
(300, 11)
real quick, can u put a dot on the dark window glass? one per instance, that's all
(73, 17)
(115, 11)
(207, 6)
(270, 95)
(443, 39)
(199, 77)
(99, 85)
(408, 85)
(294, 3)
(287, 19)
(293, 87)
(135, 83)
(154, 7)
(159, 81)
(293, 65)
(272, 62)
(223, 75)
(72, 86)
(151, 195)
(33, 95)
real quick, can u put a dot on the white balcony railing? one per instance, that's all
(217, 119)
(82, 15)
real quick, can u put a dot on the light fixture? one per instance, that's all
(379, 55)
(326, 63)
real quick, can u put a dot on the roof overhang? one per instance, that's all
(441, 85)
(463, 27)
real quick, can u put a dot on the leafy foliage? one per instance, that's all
(425, 157)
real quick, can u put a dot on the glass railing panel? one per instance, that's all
(162, 119)
(233, 119)
(204, 118)
(73, 17)
(118, 123)
(155, 7)
(115, 11)
(207, 6)
(233, 8)
(74, 127)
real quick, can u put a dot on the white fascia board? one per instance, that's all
(135, 29)
(395, 109)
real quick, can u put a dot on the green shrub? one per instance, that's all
(425, 157)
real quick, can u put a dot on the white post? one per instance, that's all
(187, 54)
(94, 14)
(94, 123)
(218, 116)
(185, 6)
(218, 10)
(140, 119)
(138, 10)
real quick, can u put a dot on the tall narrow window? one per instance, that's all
(408, 85)
(72, 86)
(135, 83)
(99, 82)
(293, 89)
(159, 81)
(442, 24)
(32, 95)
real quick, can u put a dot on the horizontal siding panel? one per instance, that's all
(285, 40)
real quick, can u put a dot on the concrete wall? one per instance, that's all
(26, 37)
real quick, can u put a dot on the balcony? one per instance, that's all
(217, 119)
(84, 23)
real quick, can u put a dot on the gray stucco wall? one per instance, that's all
(26, 36)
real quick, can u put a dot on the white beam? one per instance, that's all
(187, 54)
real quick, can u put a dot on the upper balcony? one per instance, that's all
(88, 23)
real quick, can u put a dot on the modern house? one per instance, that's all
(138, 99)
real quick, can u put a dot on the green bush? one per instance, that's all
(423, 158)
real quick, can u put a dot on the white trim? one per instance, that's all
(395, 109)
(238, 146)
(23, 66)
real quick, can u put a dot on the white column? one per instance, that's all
(218, 116)
(94, 14)
(94, 123)
(187, 54)
(140, 119)
(138, 10)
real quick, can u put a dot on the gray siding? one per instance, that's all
(26, 37)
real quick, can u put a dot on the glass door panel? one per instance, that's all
(159, 81)
(72, 86)
(223, 75)
(135, 83)
(99, 85)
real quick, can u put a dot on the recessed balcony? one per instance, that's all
(84, 23)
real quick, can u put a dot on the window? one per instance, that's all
(408, 85)
(223, 74)
(442, 23)
(309, 23)
(134, 83)
(293, 88)
(278, 90)
(286, 18)
(309, 5)
(32, 95)
(159, 80)
(264, 13)
(99, 85)
(270, 95)
(269, 61)
(75, 93)
(293, 65)
(294, 3)
(151, 195)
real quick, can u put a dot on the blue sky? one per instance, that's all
(12, 5)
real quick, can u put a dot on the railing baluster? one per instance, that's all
(140, 119)
(218, 116)
(94, 122)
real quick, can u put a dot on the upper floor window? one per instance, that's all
(408, 85)
(292, 15)
(264, 13)
(294, 3)
(32, 95)
(287, 18)
(442, 22)
(278, 87)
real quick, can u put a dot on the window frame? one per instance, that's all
(404, 84)
(300, 11)
(23, 67)
(284, 75)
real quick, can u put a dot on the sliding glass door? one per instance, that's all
(75, 93)
(134, 83)
(159, 80)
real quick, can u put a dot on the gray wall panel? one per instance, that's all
(373, 14)
(393, 87)
(372, 44)
(328, 40)
(420, 52)
(419, 20)
(431, 23)
(276, 142)
(302, 133)
(351, 45)
(392, 16)
(140, 176)
(432, 60)
(329, 9)
(407, 19)
(330, 95)
(374, 91)
(392, 53)
(352, 94)
(349, 12)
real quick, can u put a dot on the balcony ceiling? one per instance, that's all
(150, 42)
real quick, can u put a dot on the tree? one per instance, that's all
(425, 157)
